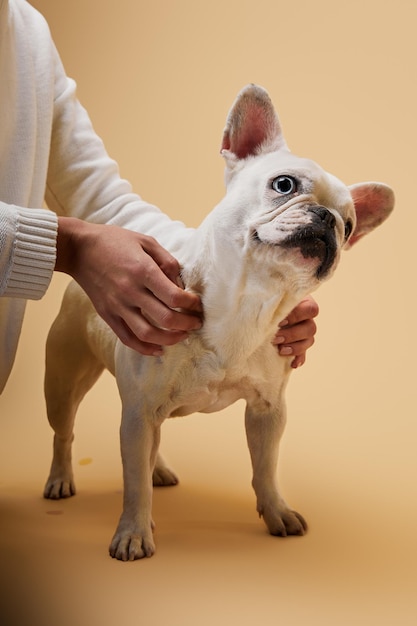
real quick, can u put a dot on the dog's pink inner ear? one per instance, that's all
(373, 204)
(247, 139)
(252, 125)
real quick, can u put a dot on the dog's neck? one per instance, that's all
(241, 307)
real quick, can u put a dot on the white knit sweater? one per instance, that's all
(49, 151)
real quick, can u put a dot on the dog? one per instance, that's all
(274, 238)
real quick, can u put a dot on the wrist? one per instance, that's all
(71, 233)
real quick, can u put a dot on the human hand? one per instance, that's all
(132, 282)
(296, 333)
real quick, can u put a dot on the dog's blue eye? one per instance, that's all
(284, 185)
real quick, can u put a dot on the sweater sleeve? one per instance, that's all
(27, 251)
(84, 182)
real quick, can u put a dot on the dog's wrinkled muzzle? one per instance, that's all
(317, 239)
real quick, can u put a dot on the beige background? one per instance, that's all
(158, 79)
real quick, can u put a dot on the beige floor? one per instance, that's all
(349, 470)
(157, 79)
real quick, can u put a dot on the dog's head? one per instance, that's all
(287, 205)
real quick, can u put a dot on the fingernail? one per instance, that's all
(158, 352)
(279, 339)
(283, 323)
(286, 351)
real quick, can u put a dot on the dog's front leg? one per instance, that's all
(264, 428)
(139, 439)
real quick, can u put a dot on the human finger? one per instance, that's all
(164, 259)
(167, 291)
(306, 309)
(161, 316)
(173, 293)
(137, 333)
(296, 333)
(298, 361)
(298, 348)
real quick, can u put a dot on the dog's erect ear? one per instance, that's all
(373, 204)
(252, 126)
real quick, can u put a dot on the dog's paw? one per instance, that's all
(284, 522)
(164, 477)
(58, 488)
(130, 546)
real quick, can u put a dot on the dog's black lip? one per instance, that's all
(316, 239)
(315, 242)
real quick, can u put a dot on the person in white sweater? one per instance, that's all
(95, 228)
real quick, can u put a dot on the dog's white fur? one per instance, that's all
(249, 280)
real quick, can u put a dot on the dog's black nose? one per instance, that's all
(325, 215)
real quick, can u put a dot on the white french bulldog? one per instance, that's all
(275, 236)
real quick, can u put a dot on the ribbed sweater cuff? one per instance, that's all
(33, 255)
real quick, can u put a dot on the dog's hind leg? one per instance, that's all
(163, 476)
(71, 370)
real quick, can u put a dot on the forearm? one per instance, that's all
(84, 182)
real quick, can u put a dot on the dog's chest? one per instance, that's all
(205, 400)
(200, 384)
(204, 385)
